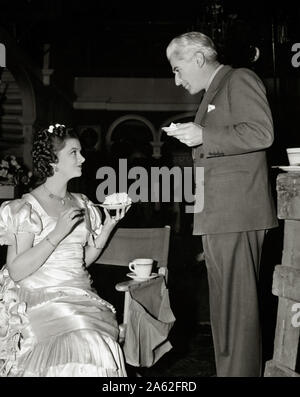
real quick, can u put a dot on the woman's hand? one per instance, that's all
(93, 252)
(67, 220)
(111, 220)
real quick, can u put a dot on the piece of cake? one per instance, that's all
(117, 199)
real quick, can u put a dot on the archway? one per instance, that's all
(128, 136)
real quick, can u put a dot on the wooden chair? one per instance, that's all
(157, 317)
(127, 244)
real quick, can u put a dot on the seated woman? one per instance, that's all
(52, 323)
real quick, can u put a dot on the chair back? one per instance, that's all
(124, 245)
(127, 244)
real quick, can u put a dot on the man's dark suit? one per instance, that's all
(238, 209)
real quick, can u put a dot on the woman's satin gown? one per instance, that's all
(52, 323)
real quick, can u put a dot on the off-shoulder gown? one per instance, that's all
(52, 323)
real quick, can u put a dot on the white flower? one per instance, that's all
(51, 128)
(3, 173)
(4, 164)
(59, 125)
(14, 163)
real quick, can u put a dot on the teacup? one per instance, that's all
(142, 267)
(293, 155)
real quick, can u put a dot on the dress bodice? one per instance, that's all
(65, 266)
(56, 324)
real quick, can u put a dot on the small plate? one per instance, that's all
(169, 129)
(289, 168)
(113, 206)
(135, 277)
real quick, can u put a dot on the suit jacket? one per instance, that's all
(237, 128)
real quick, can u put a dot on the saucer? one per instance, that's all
(135, 277)
(113, 206)
(169, 129)
(289, 168)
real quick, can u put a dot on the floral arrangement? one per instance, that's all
(14, 173)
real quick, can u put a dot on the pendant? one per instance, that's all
(53, 196)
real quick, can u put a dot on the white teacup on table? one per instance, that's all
(294, 156)
(141, 267)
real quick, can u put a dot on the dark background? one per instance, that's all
(128, 39)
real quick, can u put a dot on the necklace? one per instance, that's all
(53, 196)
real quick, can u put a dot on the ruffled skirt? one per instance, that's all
(64, 332)
(76, 354)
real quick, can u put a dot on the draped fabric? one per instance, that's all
(55, 323)
(149, 323)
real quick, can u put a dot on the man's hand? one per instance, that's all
(188, 133)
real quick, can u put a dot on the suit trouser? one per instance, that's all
(232, 261)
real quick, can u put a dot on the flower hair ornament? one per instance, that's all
(51, 127)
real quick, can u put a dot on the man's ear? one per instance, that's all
(200, 59)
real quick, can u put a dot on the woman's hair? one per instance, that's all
(45, 146)
(186, 44)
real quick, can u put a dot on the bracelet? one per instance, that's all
(100, 248)
(50, 242)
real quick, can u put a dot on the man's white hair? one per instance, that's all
(189, 43)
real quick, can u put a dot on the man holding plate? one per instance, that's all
(232, 128)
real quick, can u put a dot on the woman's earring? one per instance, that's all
(55, 168)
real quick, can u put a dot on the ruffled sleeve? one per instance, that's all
(93, 219)
(17, 216)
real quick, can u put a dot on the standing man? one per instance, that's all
(232, 128)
